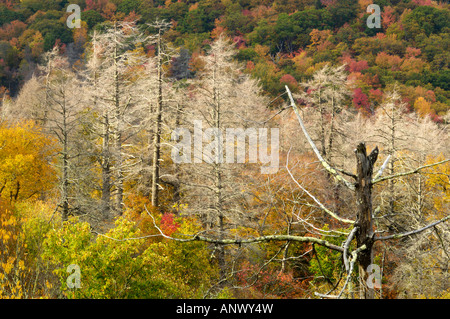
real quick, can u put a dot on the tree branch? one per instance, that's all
(382, 168)
(197, 237)
(329, 212)
(346, 246)
(414, 171)
(349, 273)
(330, 169)
(400, 235)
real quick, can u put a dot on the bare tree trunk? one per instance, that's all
(392, 149)
(157, 136)
(65, 159)
(118, 134)
(364, 235)
(106, 169)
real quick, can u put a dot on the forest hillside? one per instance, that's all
(224, 149)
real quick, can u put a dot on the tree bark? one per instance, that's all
(157, 136)
(118, 133)
(106, 168)
(364, 235)
(65, 158)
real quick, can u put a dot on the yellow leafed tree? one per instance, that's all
(26, 169)
(422, 107)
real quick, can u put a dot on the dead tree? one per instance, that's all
(361, 229)
(161, 26)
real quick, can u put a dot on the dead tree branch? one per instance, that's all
(329, 212)
(412, 232)
(198, 237)
(414, 171)
(324, 163)
(353, 259)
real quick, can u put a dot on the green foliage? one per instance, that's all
(23, 274)
(234, 20)
(293, 30)
(343, 11)
(92, 18)
(200, 19)
(247, 54)
(126, 6)
(118, 266)
(327, 264)
(43, 5)
(52, 30)
(427, 20)
(176, 11)
(7, 15)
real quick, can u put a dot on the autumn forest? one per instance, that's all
(236, 149)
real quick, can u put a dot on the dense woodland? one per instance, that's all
(91, 120)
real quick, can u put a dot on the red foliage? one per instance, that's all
(218, 30)
(288, 79)
(168, 224)
(329, 3)
(358, 66)
(423, 2)
(376, 94)
(387, 17)
(412, 52)
(269, 283)
(12, 30)
(97, 5)
(246, 13)
(132, 16)
(250, 65)
(386, 60)
(360, 100)
(239, 41)
(353, 65)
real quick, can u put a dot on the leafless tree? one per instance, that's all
(57, 106)
(114, 62)
(160, 26)
(362, 228)
(215, 186)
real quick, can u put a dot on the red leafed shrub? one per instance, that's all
(353, 65)
(358, 66)
(290, 81)
(269, 283)
(250, 65)
(168, 224)
(360, 100)
(412, 52)
(376, 94)
(423, 2)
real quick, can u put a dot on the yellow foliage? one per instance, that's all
(25, 162)
(422, 107)
(21, 273)
(438, 184)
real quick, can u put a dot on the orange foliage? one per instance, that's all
(385, 60)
